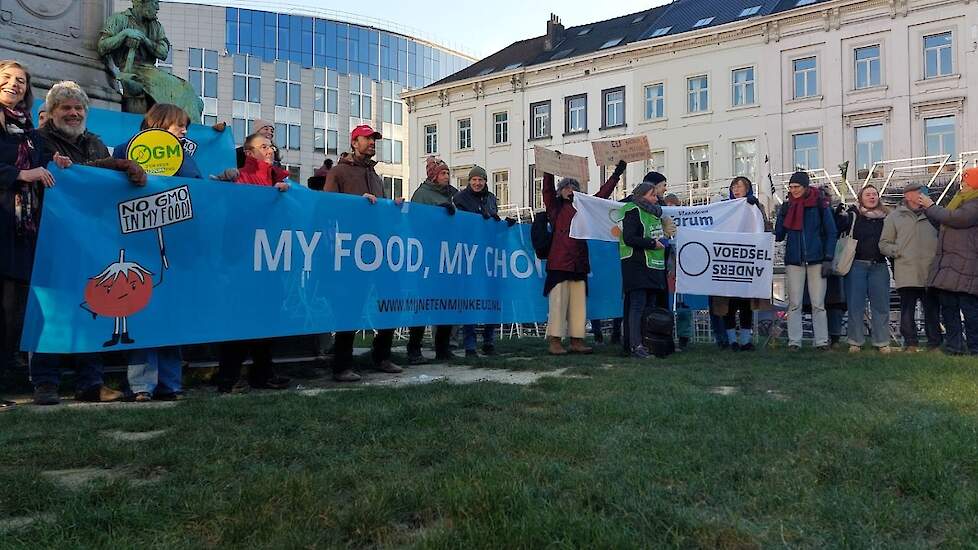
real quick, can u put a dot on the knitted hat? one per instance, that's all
(478, 171)
(433, 167)
(568, 182)
(259, 124)
(970, 178)
(654, 178)
(801, 178)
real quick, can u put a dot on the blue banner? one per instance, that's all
(191, 261)
(213, 151)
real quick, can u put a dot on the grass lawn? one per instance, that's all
(806, 450)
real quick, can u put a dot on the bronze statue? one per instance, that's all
(130, 43)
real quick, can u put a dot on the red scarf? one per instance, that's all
(796, 209)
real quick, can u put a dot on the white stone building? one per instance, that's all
(719, 87)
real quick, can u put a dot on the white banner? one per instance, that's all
(711, 263)
(596, 218)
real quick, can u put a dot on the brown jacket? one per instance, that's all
(955, 268)
(909, 238)
(355, 177)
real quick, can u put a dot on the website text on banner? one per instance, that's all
(250, 262)
(596, 217)
(738, 265)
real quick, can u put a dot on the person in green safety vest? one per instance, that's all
(642, 244)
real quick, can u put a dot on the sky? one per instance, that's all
(480, 27)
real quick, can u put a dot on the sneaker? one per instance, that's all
(854, 349)
(346, 376)
(98, 394)
(639, 352)
(415, 359)
(735, 347)
(388, 367)
(471, 353)
(747, 347)
(237, 388)
(886, 349)
(142, 397)
(489, 350)
(46, 394)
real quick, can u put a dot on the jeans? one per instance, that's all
(798, 276)
(343, 348)
(835, 317)
(442, 336)
(872, 280)
(471, 340)
(931, 302)
(46, 369)
(953, 306)
(156, 370)
(641, 302)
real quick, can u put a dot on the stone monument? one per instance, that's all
(130, 42)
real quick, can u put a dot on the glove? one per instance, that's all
(510, 222)
(752, 200)
(826, 269)
(496, 217)
(450, 207)
(486, 215)
(619, 169)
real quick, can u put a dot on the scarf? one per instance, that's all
(963, 196)
(653, 209)
(26, 201)
(875, 214)
(18, 123)
(796, 209)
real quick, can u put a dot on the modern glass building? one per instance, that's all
(314, 78)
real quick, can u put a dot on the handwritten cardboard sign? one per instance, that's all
(608, 153)
(568, 166)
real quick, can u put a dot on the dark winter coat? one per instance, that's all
(86, 149)
(483, 203)
(355, 177)
(17, 251)
(955, 267)
(188, 169)
(434, 195)
(814, 243)
(566, 253)
(635, 274)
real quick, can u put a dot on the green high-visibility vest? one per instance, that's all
(651, 229)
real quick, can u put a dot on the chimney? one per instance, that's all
(555, 33)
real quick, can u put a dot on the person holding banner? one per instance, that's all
(173, 119)
(642, 247)
(354, 174)
(258, 168)
(869, 276)
(806, 223)
(568, 264)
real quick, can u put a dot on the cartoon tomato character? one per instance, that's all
(122, 289)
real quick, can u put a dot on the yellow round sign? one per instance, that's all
(157, 151)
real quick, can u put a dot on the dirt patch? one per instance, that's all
(79, 406)
(777, 395)
(22, 522)
(78, 478)
(456, 375)
(129, 437)
(724, 390)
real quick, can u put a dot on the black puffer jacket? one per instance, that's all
(483, 203)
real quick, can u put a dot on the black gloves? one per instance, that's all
(486, 215)
(510, 222)
(450, 207)
(826, 269)
(619, 169)
(752, 200)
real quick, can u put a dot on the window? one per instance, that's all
(319, 140)
(655, 101)
(698, 163)
(939, 136)
(203, 72)
(247, 79)
(361, 97)
(394, 186)
(704, 22)
(561, 54)
(801, 3)
(657, 163)
(287, 136)
(500, 187)
(332, 138)
(393, 106)
(584, 31)
(390, 151)
(867, 67)
(869, 148)
(699, 94)
(742, 83)
(465, 134)
(513, 66)
(500, 128)
(806, 77)
(805, 151)
(746, 12)
(431, 139)
(536, 187)
(540, 113)
(937, 55)
(325, 94)
(745, 159)
(614, 107)
(166, 65)
(287, 84)
(294, 171)
(661, 31)
(611, 43)
(576, 109)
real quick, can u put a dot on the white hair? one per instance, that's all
(64, 91)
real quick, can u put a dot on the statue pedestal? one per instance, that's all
(55, 40)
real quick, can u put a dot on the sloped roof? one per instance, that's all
(678, 17)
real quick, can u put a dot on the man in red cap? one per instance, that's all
(354, 174)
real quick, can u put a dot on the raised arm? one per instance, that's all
(609, 186)
(962, 218)
(549, 191)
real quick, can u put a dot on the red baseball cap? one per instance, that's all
(364, 130)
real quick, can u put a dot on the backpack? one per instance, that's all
(657, 332)
(541, 235)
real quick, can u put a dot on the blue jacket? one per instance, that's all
(814, 243)
(188, 169)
